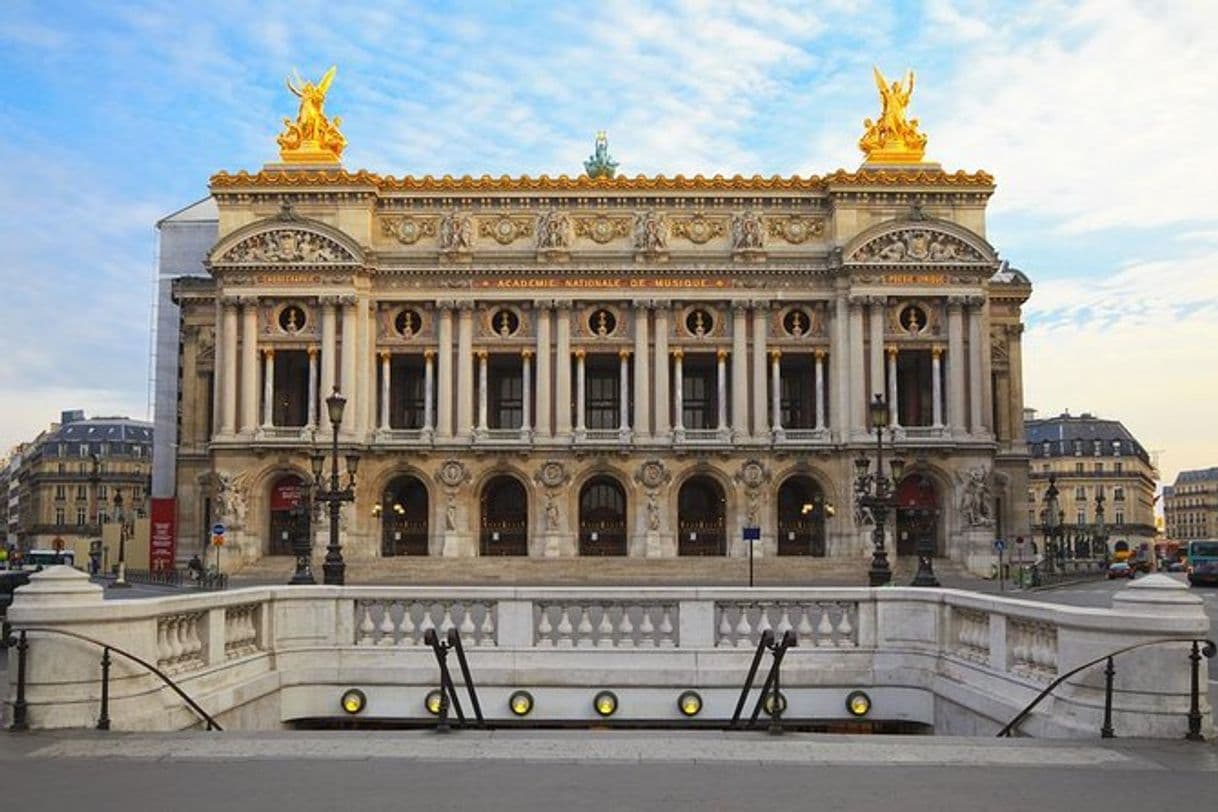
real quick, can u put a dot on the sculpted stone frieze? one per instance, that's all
(456, 233)
(920, 245)
(554, 231)
(699, 229)
(796, 230)
(747, 232)
(651, 233)
(602, 228)
(505, 229)
(286, 246)
(408, 229)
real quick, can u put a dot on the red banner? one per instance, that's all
(163, 538)
(286, 493)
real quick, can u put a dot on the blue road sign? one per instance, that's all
(217, 529)
(752, 534)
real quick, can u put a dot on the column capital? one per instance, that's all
(956, 302)
(268, 352)
(936, 351)
(740, 306)
(578, 352)
(429, 354)
(481, 354)
(347, 300)
(384, 355)
(820, 354)
(643, 305)
(856, 301)
(1015, 330)
(526, 353)
(312, 351)
(891, 350)
(543, 304)
(563, 304)
(445, 305)
(974, 300)
(228, 300)
(678, 353)
(329, 300)
(721, 355)
(760, 305)
(623, 352)
(465, 306)
(247, 301)
(775, 354)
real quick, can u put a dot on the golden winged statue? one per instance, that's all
(893, 139)
(311, 138)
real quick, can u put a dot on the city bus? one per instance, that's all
(1203, 561)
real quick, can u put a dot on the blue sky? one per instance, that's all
(1098, 120)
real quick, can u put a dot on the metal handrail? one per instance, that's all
(19, 721)
(448, 691)
(1194, 715)
(771, 685)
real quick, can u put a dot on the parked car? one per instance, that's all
(1120, 569)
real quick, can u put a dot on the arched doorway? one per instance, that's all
(917, 513)
(505, 518)
(602, 517)
(801, 517)
(701, 518)
(404, 517)
(289, 514)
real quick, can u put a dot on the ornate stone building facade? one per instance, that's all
(602, 365)
(1190, 505)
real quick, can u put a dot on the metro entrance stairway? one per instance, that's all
(604, 571)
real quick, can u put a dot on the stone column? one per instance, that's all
(268, 388)
(465, 369)
(740, 383)
(976, 422)
(249, 364)
(429, 390)
(482, 393)
(955, 364)
(894, 410)
(761, 427)
(526, 395)
(875, 322)
(229, 424)
(444, 375)
(544, 395)
(562, 374)
(347, 374)
(776, 392)
(312, 405)
(721, 376)
(329, 353)
(642, 380)
(822, 403)
(365, 369)
(663, 408)
(1015, 365)
(678, 392)
(219, 393)
(936, 384)
(386, 366)
(580, 393)
(840, 372)
(982, 312)
(623, 379)
(857, 369)
(1003, 395)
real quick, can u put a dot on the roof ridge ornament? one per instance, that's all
(600, 164)
(893, 139)
(312, 138)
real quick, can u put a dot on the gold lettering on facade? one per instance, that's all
(603, 284)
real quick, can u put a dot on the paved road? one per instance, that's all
(595, 770)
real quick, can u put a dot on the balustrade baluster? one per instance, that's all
(667, 638)
(409, 636)
(386, 627)
(565, 639)
(824, 629)
(584, 630)
(625, 629)
(366, 628)
(744, 630)
(725, 627)
(845, 629)
(544, 629)
(604, 630)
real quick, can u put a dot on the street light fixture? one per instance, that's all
(302, 541)
(121, 581)
(875, 491)
(333, 568)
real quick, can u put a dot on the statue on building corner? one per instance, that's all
(600, 164)
(976, 497)
(312, 137)
(893, 138)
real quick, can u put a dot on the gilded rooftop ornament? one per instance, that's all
(600, 164)
(893, 139)
(311, 138)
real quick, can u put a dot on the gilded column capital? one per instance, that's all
(481, 354)
(268, 353)
(623, 353)
(384, 355)
(775, 354)
(678, 353)
(936, 351)
(526, 353)
(312, 351)
(891, 350)
(578, 352)
(429, 354)
(821, 354)
(721, 355)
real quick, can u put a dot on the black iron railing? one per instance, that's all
(771, 697)
(1200, 647)
(448, 691)
(207, 581)
(21, 643)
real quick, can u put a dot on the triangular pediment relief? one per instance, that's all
(920, 243)
(287, 246)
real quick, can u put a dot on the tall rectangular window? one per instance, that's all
(506, 392)
(699, 393)
(602, 388)
(80, 517)
(406, 392)
(59, 516)
(798, 393)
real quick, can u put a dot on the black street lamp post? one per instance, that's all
(1100, 539)
(120, 582)
(302, 541)
(333, 569)
(925, 575)
(1050, 518)
(876, 491)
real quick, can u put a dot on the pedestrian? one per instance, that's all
(3, 558)
(195, 565)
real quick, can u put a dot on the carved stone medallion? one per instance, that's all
(408, 230)
(602, 228)
(652, 474)
(452, 473)
(552, 474)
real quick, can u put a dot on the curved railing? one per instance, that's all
(20, 721)
(1201, 647)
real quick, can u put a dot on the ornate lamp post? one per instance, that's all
(333, 569)
(875, 492)
(1049, 519)
(302, 542)
(121, 581)
(1101, 533)
(925, 575)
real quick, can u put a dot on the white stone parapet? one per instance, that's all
(261, 657)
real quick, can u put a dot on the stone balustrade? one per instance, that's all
(962, 662)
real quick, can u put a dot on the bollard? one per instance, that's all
(1109, 673)
(20, 709)
(103, 718)
(1194, 708)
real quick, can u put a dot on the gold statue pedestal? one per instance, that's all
(897, 155)
(309, 152)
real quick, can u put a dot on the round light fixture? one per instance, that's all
(521, 702)
(689, 703)
(773, 705)
(605, 703)
(434, 701)
(353, 701)
(858, 703)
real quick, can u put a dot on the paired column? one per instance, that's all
(365, 370)
(329, 353)
(776, 392)
(975, 422)
(482, 399)
(386, 366)
(857, 368)
(217, 378)
(678, 392)
(268, 388)
(543, 369)
(721, 359)
(642, 390)
(228, 404)
(580, 393)
(760, 316)
(526, 397)
(312, 405)
(465, 369)
(349, 385)
(562, 377)
(936, 385)
(249, 364)
(893, 390)
(623, 357)
(955, 364)
(875, 321)
(663, 409)
(840, 374)
(1015, 370)
(429, 390)
(740, 388)
(444, 398)
(822, 403)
